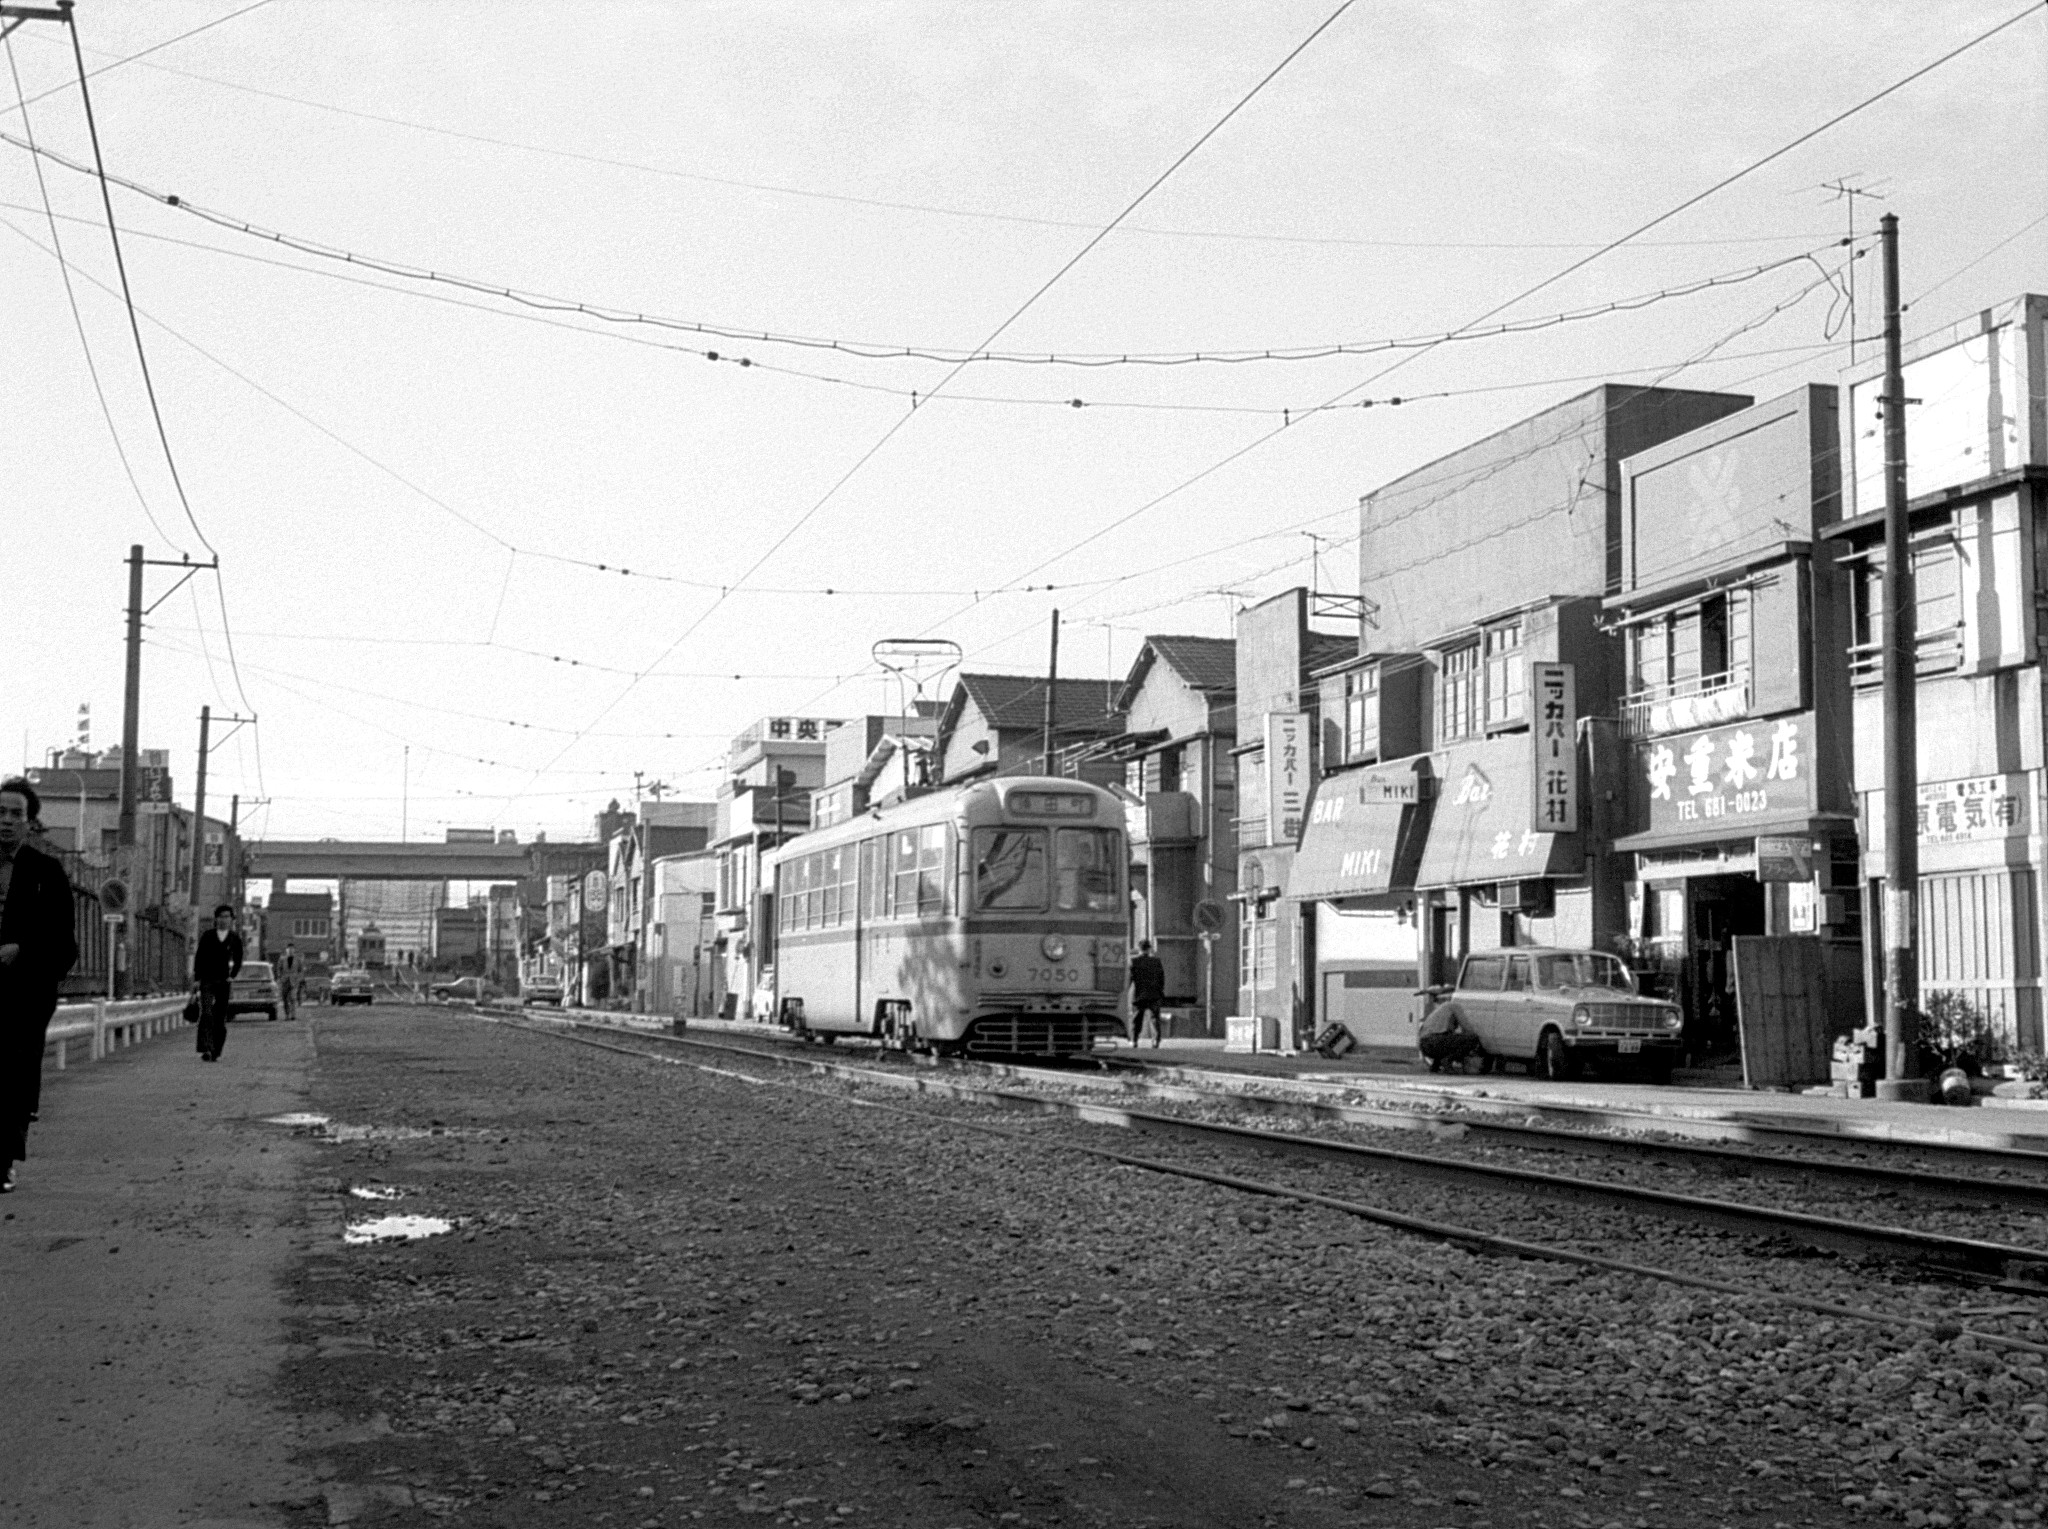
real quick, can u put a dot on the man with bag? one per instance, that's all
(37, 947)
(216, 962)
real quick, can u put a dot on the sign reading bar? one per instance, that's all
(1556, 794)
(1287, 775)
(1400, 789)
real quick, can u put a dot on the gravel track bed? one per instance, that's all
(1720, 1409)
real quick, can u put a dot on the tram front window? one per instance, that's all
(1085, 881)
(1009, 868)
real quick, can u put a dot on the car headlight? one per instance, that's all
(1674, 1019)
(1582, 1015)
(1054, 946)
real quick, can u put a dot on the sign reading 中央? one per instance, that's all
(1784, 857)
(1287, 775)
(1983, 807)
(1556, 753)
(153, 791)
(1710, 782)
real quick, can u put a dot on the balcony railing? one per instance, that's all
(1686, 704)
(1937, 652)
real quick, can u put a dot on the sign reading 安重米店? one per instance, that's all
(1714, 780)
(1555, 738)
(1287, 777)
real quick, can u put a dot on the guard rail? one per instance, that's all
(110, 1026)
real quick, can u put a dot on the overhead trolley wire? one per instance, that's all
(155, 47)
(1018, 312)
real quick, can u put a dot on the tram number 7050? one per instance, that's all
(1054, 974)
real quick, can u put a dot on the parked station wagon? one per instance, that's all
(1559, 1009)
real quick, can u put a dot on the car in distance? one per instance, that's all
(350, 984)
(542, 990)
(254, 990)
(463, 990)
(1560, 1010)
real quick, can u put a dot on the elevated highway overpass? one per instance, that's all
(368, 860)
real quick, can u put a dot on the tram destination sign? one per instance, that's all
(1715, 783)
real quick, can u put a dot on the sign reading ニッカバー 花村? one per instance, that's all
(1554, 737)
(1713, 781)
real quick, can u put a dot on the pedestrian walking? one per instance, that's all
(1148, 992)
(37, 947)
(289, 982)
(216, 962)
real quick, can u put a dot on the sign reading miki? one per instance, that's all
(1727, 774)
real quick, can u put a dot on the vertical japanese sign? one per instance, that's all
(1556, 749)
(1287, 775)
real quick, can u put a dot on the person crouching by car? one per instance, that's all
(216, 962)
(1444, 1040)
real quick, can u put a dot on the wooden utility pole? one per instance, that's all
(1901, 678)
(199, 819)
(1052, 692)
(131, 709)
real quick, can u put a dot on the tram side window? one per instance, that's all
(828, 888)
(1009, 868)
(874, 877)
(1086, 870)
(903, 873)
(931, 868)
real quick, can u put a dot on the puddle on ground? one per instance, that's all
(376, 1192)
(396, 1229)
(324, 1128)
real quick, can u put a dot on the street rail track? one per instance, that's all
(1971, 1260)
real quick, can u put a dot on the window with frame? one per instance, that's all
(1458, 687)
(1937, 604)
(1507, 676)
(1362, 714)
(917, 870)
(1258, 950)
(1009, 869)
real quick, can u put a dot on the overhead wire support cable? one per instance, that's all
(1018, 312)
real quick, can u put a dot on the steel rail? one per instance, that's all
(1954, 1255)
(1488, 1243)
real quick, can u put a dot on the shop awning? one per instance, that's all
(1353, 848)
(1800, 820)
(1481, 829)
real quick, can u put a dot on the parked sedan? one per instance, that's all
(351, 985)
(1558, 1010)
(254, 991)
(542, 990)
(463, 990)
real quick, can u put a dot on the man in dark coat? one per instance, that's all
(216, 962)
(37, 947)
(1148, 992)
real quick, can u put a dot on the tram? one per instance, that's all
(990, 917)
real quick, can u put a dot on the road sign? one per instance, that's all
(1209, 915)
(153, 791)
(114, 896)
(111, 919)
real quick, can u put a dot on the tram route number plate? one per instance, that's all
(1630, 1045)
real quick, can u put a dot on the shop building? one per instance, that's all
(1172, 758)
(1278, 757)
(1733, 611)
(1977, 502)
(1471, 774)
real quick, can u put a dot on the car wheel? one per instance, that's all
(1554, 1059)
(270, 1015)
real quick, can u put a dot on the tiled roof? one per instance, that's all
(1326, 648)
(1206, 663)
(1017, 700)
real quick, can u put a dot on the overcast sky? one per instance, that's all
(401, 476)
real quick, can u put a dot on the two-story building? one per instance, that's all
(1977, 503)
(1735, 619)
(1467, 788)
(765, 799)
(994, 724)
(302, 920)
(652, 830)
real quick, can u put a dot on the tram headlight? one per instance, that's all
(1054, 946)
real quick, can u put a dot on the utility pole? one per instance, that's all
(1901, 750)
(131, 707)
(1052, 691)
(199, 815)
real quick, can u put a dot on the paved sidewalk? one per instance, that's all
(142, 1261)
